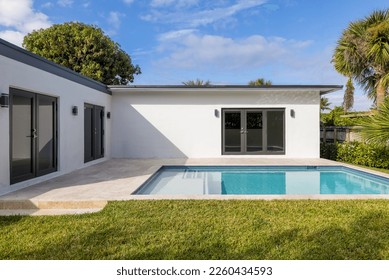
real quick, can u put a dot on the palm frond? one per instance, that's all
(375, 129)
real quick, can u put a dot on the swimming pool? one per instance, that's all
(262, 180)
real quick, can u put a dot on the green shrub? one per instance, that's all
(357, 153)
(329, 151)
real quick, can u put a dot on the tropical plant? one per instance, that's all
(348, 98)
(324, 104)
(84, 49)
(362, 53)
(260, 82)
(375, 129)
(197, 83)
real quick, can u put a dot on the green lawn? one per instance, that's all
(305, 229)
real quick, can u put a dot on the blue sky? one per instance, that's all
(224, 41)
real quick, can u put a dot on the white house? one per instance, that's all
(54, 120)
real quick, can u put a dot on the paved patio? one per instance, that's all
(90, 188)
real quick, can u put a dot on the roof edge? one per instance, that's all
(21, 55)
(324, 89)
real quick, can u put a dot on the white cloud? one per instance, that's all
(195, 19)
(47, 5)
(128, 2)
(14, 37)
(65, 3)
(190, 51)
(114, 19)
(19, 18)
(176, 3)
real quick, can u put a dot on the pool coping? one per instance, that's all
(263, 196)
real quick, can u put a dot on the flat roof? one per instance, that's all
(323, 89)
(19, 54)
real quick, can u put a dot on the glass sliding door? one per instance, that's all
(33, 140)
(22, 136)
(232, 131)
(93, 132)
(253, 131)
(46, 132)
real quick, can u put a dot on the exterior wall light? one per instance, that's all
(108, 115)
(75, 110)
(292, 113)
(217, 113)
(4, 100)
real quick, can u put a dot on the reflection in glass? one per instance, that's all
(254, 132)
(46, 149)
(275, 131)
(22, 163)
(232, 135)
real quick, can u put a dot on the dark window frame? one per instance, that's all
(243, 112)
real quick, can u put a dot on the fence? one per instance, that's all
(340, 134)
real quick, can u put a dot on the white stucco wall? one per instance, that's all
(183, 124)
(70, 128)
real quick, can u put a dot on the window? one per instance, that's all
(253, 131)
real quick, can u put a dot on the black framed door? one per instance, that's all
(93, 132)
(33, 135)
(253, 131)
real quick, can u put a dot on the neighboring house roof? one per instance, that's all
(19, 54)
(323, 89)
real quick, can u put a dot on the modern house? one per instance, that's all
(54, 121)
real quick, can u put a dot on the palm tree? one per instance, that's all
(375, 129)
(197, 83)
(362, 53)
(348, 98)
(260, 82)
(324, 104)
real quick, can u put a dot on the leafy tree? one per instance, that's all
(348, 98)
(260, 82)
(375, 129)
(324, 104)
(197, 83)
(362, 53)
(84, 49)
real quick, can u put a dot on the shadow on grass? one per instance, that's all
(10, 220)
(365, 239)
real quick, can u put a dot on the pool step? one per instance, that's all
(38, 207)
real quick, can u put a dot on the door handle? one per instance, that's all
(34, 134)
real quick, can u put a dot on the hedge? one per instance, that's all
(357, 153)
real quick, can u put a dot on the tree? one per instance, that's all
(197, 83)
(84, 49)
(362, 53)
(348, 98)
(375, 129)
(260, 82)
(324, 104)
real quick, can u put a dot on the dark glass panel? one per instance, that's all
(232, 132)
(22, 136)
(254, 141)
(46, 133)
(275, 131)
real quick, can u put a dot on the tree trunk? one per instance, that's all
(380, 97)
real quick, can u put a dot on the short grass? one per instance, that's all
(302, 229)
(376, 169)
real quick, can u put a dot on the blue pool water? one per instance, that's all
(269, 180)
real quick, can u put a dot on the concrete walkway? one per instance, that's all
(90, 188)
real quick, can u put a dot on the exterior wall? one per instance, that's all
(70, 128)
(183, 124)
